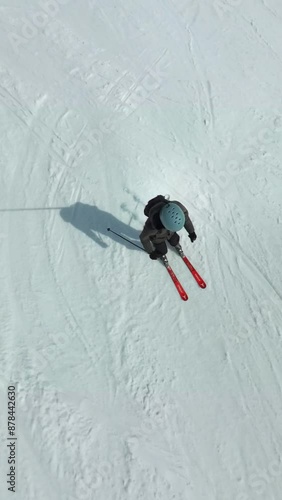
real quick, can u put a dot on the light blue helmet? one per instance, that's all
(172, 217)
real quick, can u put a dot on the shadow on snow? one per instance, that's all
(94, 223)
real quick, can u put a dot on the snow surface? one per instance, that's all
(124, 392)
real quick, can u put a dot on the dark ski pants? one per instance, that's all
(173, 241)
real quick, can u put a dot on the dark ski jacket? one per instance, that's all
(151, 235)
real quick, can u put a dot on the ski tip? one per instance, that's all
(108, 228)
(203, 285)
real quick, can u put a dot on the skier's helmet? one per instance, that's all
(172, 217)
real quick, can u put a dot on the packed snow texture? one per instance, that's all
(123, 391)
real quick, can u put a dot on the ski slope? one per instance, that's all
(123, 391)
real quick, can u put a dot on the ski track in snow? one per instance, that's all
(125, 392)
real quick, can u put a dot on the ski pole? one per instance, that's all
(119, 235)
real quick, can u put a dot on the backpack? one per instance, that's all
(152, 203)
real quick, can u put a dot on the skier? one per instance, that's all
(165, 218)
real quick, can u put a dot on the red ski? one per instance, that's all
(175, 280)
(193, 271)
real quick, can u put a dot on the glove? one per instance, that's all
(192, 237)
(155, 255)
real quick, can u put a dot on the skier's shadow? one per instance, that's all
(94, 223)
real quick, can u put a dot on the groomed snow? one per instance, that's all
(123, 391)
